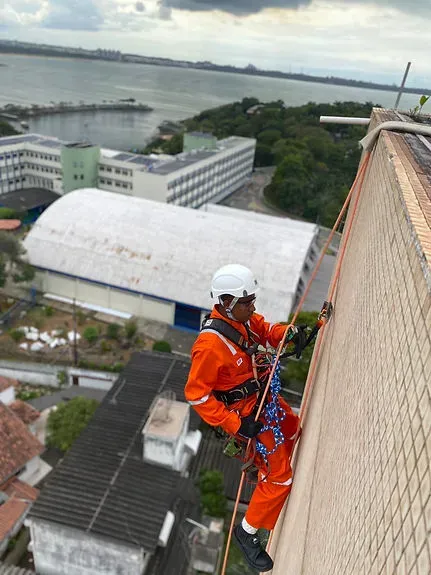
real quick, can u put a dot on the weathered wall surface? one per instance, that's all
(361, 502)
(60, 550)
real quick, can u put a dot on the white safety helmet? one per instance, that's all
(235, 280)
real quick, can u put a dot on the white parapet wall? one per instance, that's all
(46, 374)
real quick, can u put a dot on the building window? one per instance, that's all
(109, 169)
(82, 176)
(102, 181)
(75, 177)
(117, 171)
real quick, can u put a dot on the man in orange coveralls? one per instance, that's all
(222, 388)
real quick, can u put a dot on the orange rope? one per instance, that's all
(359, 178)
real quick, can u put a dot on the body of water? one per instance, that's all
(174, 93)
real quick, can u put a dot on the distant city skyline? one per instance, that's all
(359, 39)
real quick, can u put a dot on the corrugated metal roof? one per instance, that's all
(168, 251)
(103, 486)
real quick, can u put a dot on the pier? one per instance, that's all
(18, 113)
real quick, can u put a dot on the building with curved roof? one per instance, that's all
(156, 261)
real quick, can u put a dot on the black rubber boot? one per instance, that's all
(254, 554)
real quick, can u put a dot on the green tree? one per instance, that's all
(113, 330)
(131, 329)
(7, 130)
(162, 346)
(91, 334)
(211, 487)
(7, 214)
(68, 420)
(12, 263)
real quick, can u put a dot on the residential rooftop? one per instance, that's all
(103, 486)
(17, 444)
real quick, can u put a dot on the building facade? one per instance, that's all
(208, 170)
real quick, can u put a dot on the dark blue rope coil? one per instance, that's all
(273, 415)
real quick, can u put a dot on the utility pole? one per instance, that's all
(403, 83)
(75, 347)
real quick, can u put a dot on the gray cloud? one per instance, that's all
(139, 7)
(73, 15)
(246, 7)
(237, 7)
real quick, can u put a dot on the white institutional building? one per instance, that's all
(207, 170)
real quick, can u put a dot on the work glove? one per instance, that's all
(300, 339)
(249, 428)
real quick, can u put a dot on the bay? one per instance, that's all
(173, 93)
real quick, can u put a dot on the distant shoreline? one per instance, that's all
(206, 67)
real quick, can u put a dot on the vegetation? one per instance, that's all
(162, 346)
(8, 214)
(131, 329)
(211, 487)
(113, 331)
(17, 335)
(294, 374)
(91, 334)
(417, 110)
(12, 263)
(315, 164)
(81, 317)
(48, 311)
(116, 368)
(67, 422)
(62, 378)
(6, 129)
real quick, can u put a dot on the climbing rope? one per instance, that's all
(274, 414)
(290, 331)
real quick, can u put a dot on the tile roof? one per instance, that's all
(103, 486)
(13, 570)
(27, 413)
(6, 382)
(10, 513)
(17, 444)
(9, 225)
(16, 487)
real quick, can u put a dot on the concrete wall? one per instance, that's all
(7, 396)
(80, 167)
(361, 502)
(43, 374)
(60, 550)
(111, 298)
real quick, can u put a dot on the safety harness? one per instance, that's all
(263, 361)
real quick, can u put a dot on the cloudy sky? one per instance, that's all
(364, 39)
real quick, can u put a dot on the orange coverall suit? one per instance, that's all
(218, 364)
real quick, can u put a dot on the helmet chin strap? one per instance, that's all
(229, 309)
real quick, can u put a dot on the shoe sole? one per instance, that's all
(252, 565)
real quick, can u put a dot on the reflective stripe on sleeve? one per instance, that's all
(199, 401)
